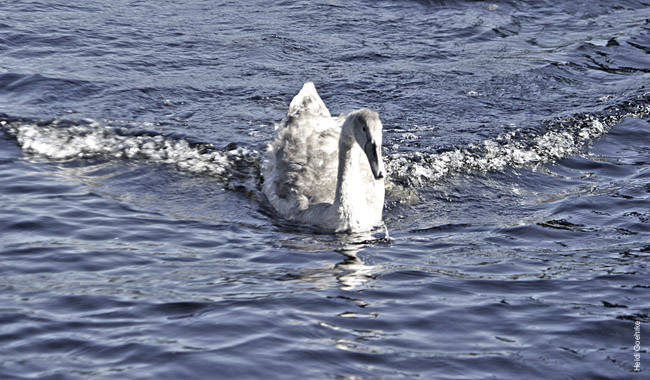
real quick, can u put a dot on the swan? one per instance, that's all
(326, 171)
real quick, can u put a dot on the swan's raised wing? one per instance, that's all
(308, 102)
(302, 160)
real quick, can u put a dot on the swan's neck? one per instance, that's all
(349, 199)
(345, 177)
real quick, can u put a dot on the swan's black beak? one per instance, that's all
(374, 158)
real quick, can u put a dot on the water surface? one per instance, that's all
(136, 243)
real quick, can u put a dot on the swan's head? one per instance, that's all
(367, 133)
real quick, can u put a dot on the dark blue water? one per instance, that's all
(135, 243)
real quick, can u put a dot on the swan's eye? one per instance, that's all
(364, 128)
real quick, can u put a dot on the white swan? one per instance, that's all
(324, 171)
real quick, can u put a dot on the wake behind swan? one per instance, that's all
(326, 171)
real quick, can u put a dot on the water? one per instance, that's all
(136, 244)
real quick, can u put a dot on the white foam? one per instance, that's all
(563, 138)
(239, 168)
(91, 139)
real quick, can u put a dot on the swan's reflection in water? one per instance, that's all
(354, 272)
(349, 274)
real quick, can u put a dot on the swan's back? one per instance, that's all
(302, 160)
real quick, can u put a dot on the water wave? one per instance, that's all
(559, 139)
(239, 166)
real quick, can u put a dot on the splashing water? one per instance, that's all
(61, 140)
(239, 167)
(563, 137)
